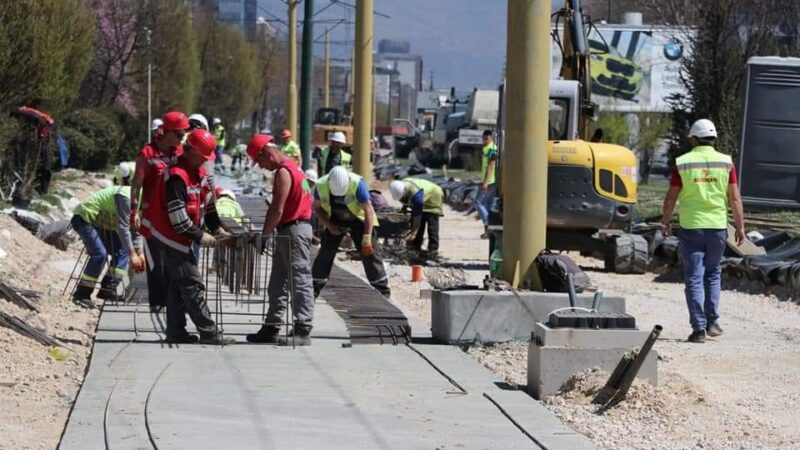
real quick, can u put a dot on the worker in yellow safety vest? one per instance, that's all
(332, 155)
(290, 147)
(425, 200)
(219, 135)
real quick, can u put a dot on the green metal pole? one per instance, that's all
(526, 146)
(306, 80)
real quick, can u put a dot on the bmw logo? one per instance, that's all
(673, 50)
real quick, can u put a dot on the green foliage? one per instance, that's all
(102, 131)
(80, 147)
(615, 128)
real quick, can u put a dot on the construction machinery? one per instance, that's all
(327, 121)
(591, 186)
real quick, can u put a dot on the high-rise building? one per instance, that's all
(241, 13)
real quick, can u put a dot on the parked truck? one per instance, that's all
(481, 115)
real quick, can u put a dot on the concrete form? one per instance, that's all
(490, 316)
(554, 355)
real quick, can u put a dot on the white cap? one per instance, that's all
(157, 123)
(125, 169)
(338, 136)
(311, 175)
(703, 128)
(339, 181)
(227, 192)
(199, 118)
(216, 120)
(397, 189)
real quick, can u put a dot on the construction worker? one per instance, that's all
(196, 121)
(155, 128)
(705, 183)
(290, 147)
(102, 222)
(175, 227)
(227, 206)
(332, 155)
(342, 205)
(425, 200)
(237, 156)
(289, 214)
(123, 171)
(153, 160)
(219, 135)
(485, 199)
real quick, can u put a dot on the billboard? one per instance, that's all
(634, 69)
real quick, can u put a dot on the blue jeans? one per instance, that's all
(218, 152)
(702, 250)
(99, 244)
(483, 203)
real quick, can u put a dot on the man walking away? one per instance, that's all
(342, 205)
(704, 181)
(175, 229)
(290, 148)
(488, 191)
(425, 200)
(219, 135)
(332, 155)
(290, 214)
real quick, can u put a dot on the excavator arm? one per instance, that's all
(577, 61)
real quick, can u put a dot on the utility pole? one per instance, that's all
(363, 88)
(306, 80)
(291, 92)
(525, 148)
(149, 86)
(327, 69)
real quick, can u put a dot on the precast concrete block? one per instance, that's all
(491, 316)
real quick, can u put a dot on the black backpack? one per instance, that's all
(553, 271)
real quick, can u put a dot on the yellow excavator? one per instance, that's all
(591, 187)
(327, 121)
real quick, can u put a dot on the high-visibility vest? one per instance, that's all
(344, 159)
(292, 150)
(488, 149)
(324, 191)
(219, 135)
(703, 198)
(433, 195)
(153, 184)
(228, 207)
(100, 209)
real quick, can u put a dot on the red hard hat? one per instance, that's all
(202, 142)
(218, 192)
(286, 134)
(257, 143)
(175, 121)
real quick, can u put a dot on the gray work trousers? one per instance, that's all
(292, 250)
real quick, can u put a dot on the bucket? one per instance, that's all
(416, 273)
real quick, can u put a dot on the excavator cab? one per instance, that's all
(327, 121)
(328, 116)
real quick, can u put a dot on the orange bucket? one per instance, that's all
(416, 273)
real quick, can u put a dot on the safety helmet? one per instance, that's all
(199, 119)
(397, 189)
(203, 143)
(124, 169)
(175, 121)
(703, 129)
(311, 175)
(220, 192)
(156, 124)
(257, 143)
(286, 134)
(217, 120)
(339, 181)
(338, 136)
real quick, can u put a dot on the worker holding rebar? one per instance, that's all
(425, 200)
(332, 155)
(102, 223)
(175, 228)
(485, 199)
(290, 147)
(147, 184)
(342, 205)
(705, 183)
(289, 214)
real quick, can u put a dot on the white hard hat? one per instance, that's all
(398, 189)
(311, 175)
(227, 192)
(156, 124)
(124, 169)
(338, 136)
(339, 181)
(199, 118)
(703, 128)
(216, 120)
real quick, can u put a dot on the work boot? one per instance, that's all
(214, 337)
(266, 335)
(714, 330)
(83, 297)
(485, 234)
(301, 337)
(182, 337)
(108, 292)
(698, 337)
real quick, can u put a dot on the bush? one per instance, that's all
(82, 151)
(97, 138)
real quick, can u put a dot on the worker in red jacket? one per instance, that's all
(177, 226)
(153, 160)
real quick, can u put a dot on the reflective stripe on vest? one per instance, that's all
(100, 209)
(344, 159)
(196, 189)
(323, 189)
(703, 198)
(432, 195)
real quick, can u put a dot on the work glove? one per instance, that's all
(137, 262)
(208, 240)
(366, 246)
(134, 220)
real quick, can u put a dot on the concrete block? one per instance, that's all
(585, 338)
(462, 316)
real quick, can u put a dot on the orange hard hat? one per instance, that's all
(257, 143)
(286, 134)
(202, 142)
(175, 121)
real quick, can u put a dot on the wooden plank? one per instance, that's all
(747, 248)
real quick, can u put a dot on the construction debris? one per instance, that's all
(23, 328)
(18, 297)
